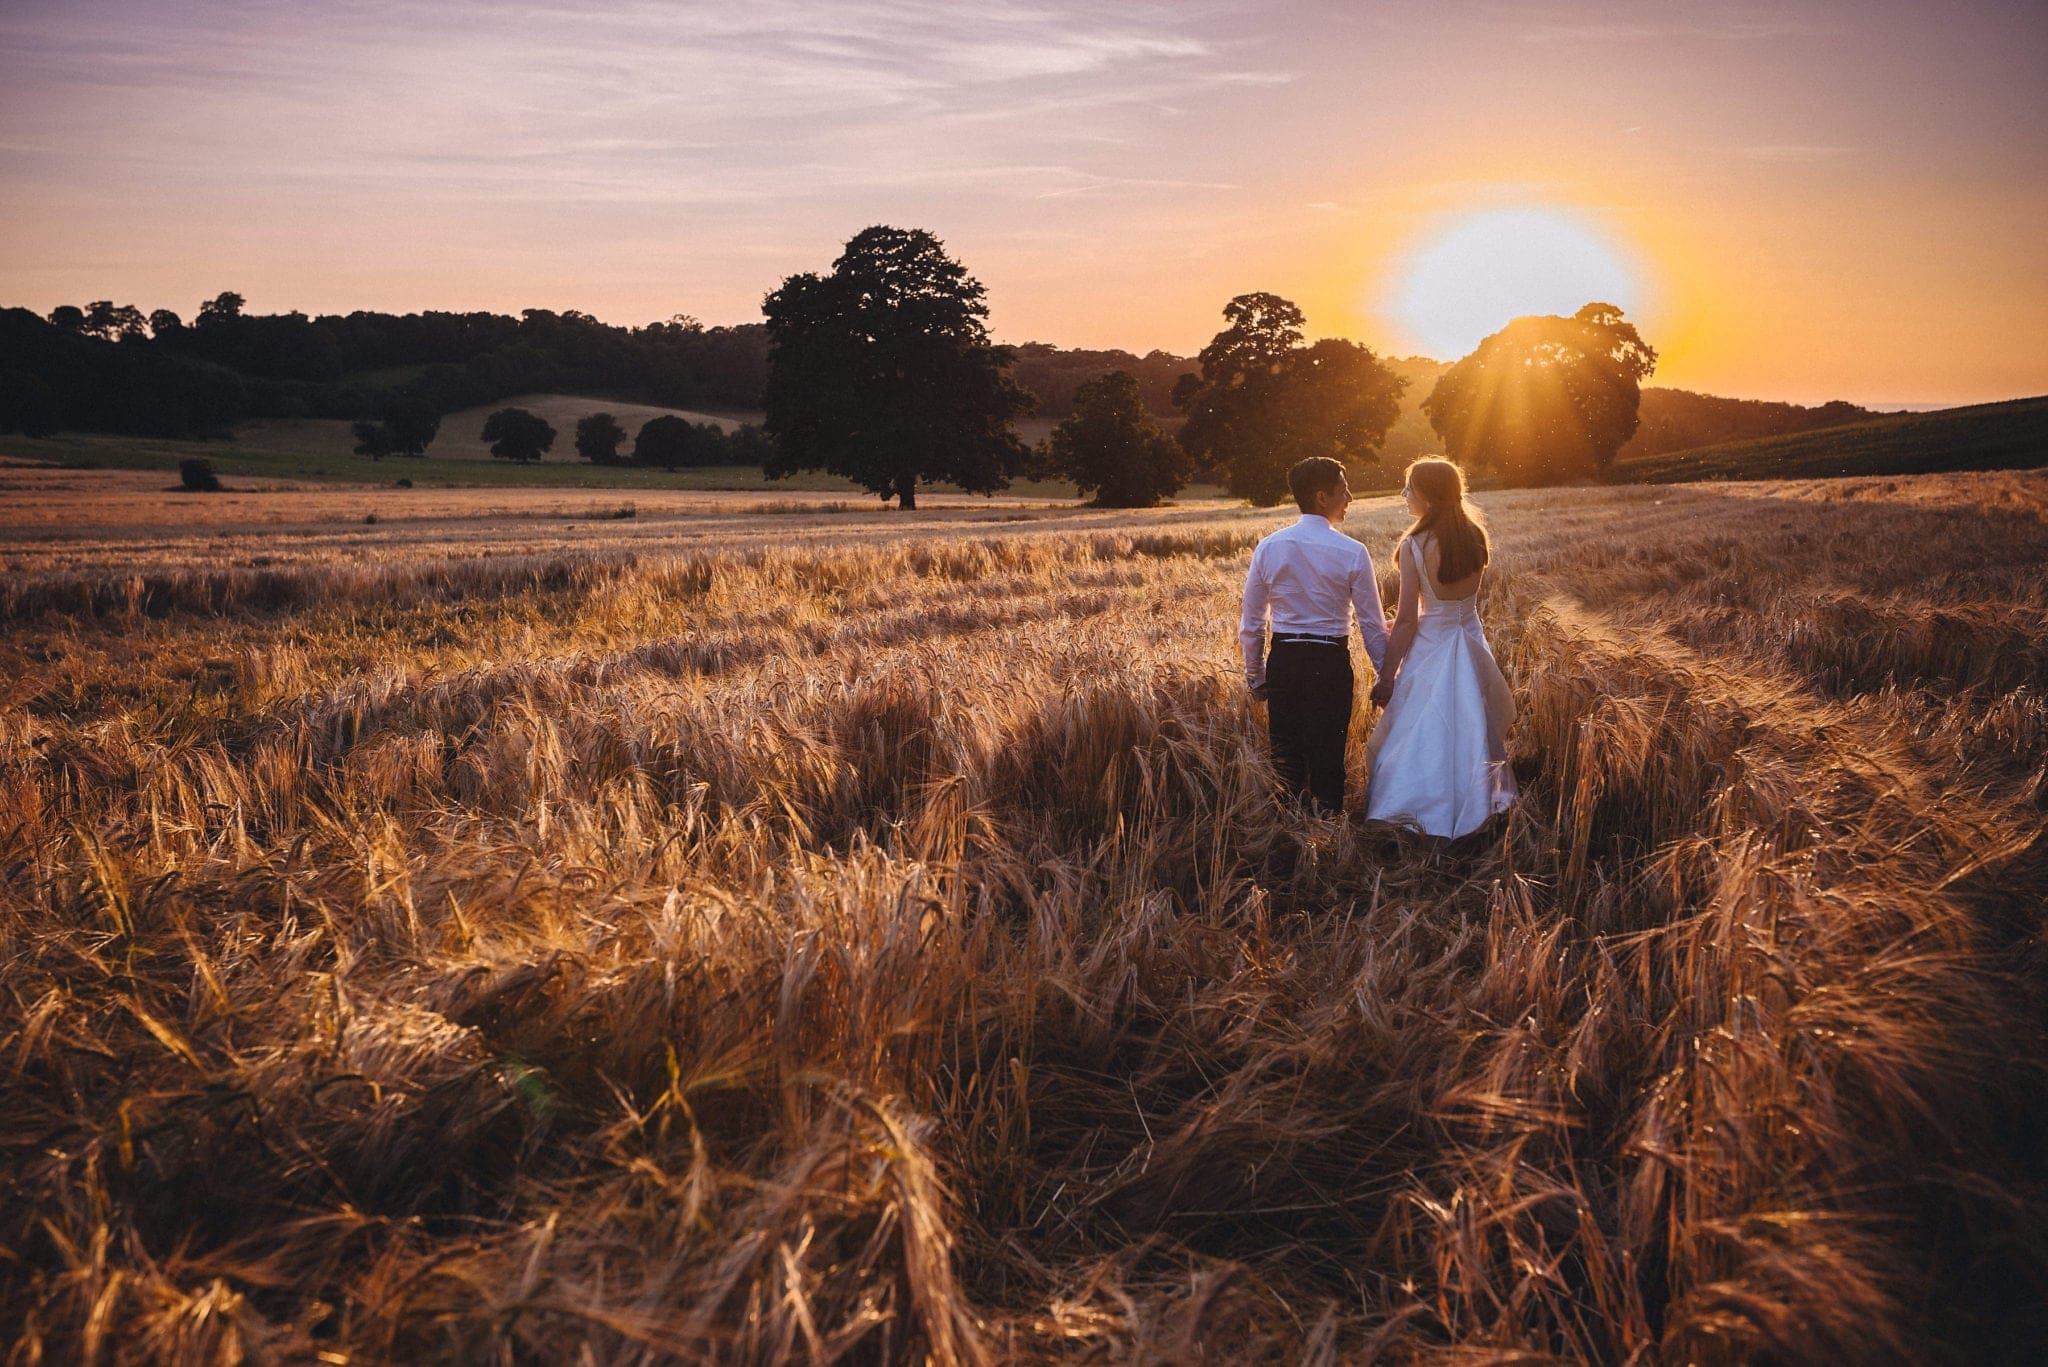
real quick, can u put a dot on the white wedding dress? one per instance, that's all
(1439, 752)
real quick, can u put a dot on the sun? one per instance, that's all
(1472, 275)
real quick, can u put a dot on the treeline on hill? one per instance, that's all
(109, 368)
(1054, 376)
(113, 368)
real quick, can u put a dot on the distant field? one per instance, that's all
(1993, 436)
(323, 449)
(244, 466)
(460, 437)
(242, 459)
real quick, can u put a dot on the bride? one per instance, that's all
(1439, 752)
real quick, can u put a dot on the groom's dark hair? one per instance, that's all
(1310, 477)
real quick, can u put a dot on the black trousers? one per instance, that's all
(1308, 718)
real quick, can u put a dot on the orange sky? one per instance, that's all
(1824, 201)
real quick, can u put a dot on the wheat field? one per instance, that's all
(855, 937)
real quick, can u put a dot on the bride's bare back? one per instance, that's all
(1458, 590)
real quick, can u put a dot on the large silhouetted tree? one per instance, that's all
(1546, 399)
(598, 436)
(1113, 447)
(1263, 400)
(517, 434)
(882, 372)
(1338, 400)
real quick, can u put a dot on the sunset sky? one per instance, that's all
(1801, 201)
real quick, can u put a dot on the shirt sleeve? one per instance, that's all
(1372, 618)
(1251, 627)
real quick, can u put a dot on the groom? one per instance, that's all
(1309, 577)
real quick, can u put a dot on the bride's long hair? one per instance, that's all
(1459, 528)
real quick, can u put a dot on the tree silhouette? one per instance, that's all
(748, 444)
(1546, 399)
(411, 420)
(1263, 401)
(516, 434)
(224, 307)
(670, 442)
(373, 439)
(598, 436)
(882, 372)
(1113, 444)
(113, 324)
(1338, 400)
(414, 421)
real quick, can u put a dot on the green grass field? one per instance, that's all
(249, 460)
(323, 449)
(461, 435)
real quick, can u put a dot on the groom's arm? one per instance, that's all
(1372, 618)
(1251, 625)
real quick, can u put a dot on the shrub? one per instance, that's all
(197, 476)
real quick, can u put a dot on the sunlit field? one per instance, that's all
(750, 931)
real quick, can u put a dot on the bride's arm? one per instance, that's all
(1403, 635)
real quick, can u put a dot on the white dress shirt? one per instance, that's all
(1309, 577)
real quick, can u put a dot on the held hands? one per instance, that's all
(1259, 693)
(1382, 690)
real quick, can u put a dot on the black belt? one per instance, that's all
(1288, 638)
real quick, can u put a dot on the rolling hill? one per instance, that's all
(1994, 436)
(459, 437)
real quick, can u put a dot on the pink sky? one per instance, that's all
(1820, 201)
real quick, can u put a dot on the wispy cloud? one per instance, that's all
(766, 97)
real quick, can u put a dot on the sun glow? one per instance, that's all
(1471, 275)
